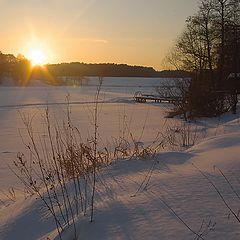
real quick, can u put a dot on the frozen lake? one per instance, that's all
(116, 106)
(17, 96)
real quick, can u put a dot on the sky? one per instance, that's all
(136, 32)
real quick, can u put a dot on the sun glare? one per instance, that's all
(37, 57)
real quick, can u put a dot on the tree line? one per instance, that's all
(104, 70)
(20, 70)
(16, 68)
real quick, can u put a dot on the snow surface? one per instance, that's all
(127, 206)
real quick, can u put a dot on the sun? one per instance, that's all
(37, 57)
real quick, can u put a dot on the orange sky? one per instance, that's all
(137, 32)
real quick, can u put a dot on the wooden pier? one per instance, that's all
(143, 98)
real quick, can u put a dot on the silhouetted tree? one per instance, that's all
(7, 62)
(209, 47)
(226, 13)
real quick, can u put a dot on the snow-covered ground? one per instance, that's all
(162, 197)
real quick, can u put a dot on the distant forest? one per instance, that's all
(108, 70)
(19, 69)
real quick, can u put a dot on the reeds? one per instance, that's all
(61, 170)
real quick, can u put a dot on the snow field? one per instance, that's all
(162, 197)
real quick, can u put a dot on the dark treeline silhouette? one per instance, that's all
(109, 70)
(104, 70)
(19, 69)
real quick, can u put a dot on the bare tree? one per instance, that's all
(202, 49)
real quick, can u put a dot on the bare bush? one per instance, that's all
(181, 136)
(178, 90)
